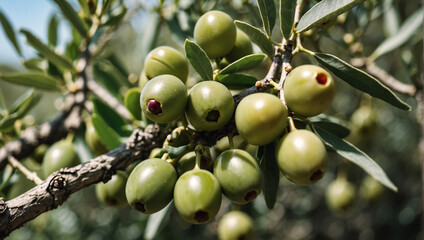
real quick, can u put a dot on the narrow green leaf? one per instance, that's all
(109, 137)
(52, 30)
(287, 9)
(28, 96)
(72, 16)
(360, 79)
(84, 7)
(271, 173)
(257, 36)
(356, 156)
(236, 81)
(324, 11)
(174, 152)
(268, 14)
(101, 74)
(2, 103)
(10, 33)
(113, 20)
(132, 102)
(244, 63)
(157, 221)
(408, 28)
(32, 79)
(198, 59)
(37, 64)
(334, 128)
(110, 117)
(117, 64)
(46, 51)
(150, 34)
(7, 122)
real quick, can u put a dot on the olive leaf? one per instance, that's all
(271, 173)
(268, 15)
(236, 81)
(10, 33)
(72, 16)
(81, 147)
(360, 79)
(31, 79)
(198, 59)
(244, 63)
(356, 156)
(132, 102)
(287, 10)
(114, 19)
(52, 30)
(174, 152)
(257, 36)
(324, 11)
(157, 221)
(109, 136)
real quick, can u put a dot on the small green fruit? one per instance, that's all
(364, 122)
(340, 195)
(61, 154)
(166, 60)
(197, 196)
(93, 140)
(150, 185)
(112, 193)
(261, 118)
(235, 225)
(302, 157)
(308, 90)
(242, 47)
(215, 32)
(239, 175)
(371, 190)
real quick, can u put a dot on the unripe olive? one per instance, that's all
(166, 60)
(210, 106)
(308, 90)
(197, 196)
(61, 154)
(150, 185)
(302, 157)
(235, 225)
(142, 81)
(163, 99)
(93, 140)
(340, 195)
(112, 193)
(371, 190)
(239, 175)
(242, 47)
(261, 118)
(364, 122)
(215, 32)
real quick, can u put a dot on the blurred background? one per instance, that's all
(388, 135)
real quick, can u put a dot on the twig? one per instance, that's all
(32, 176)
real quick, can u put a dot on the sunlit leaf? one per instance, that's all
(271, 173)
(268, 15)
(198, 59)
(37, 64)
(356, 156)
(236, 81)
(32, 79)
(22, 101)
(360, 79)
(46, 51)
(52, 30)
(324, 11)
(110, 116)
(287, 9)
(132, 102)
(114, 19)
(244, 63)
(109, 137)
(72, 16)
(257, 36)
(10, 33)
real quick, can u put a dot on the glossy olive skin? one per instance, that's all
(215, 32)
(61, 154)
(308, 90)
(301, 157)
(239, 175)
(166, 60)
(340, 195)
(150, 185)
(371, 190)
(112, 193)
(163, 98)
(241, 48)
(235, 225)
(261, 118)
(93, 140)
(197, 196)
(210, 106)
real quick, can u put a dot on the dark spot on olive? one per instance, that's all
(201, 216)
(212, 116)
(154, 106)
(250, 195)
(316, 175)
(140, 207)
(321, 78)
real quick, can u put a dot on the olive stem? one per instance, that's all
(70, 137)
(230, 140)
(5, 182)
(198, 150)
(32, 176)
(292, 126)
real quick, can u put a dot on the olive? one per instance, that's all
(112, 193)
(166, 60)
(61, 154)
(235, 225)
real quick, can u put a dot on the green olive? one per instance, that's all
(302, 157)
(112, 193)
(61, 154)
(308, 90)
(239, 175)
(215, 32)
(197, 196)
(235, 225)
(163, 99)
(166, 60)
(261, 118)
(150, 185)
(371, 190)
(364, 122)
(93, 140)
(210, 106)
(242, 47)
(340, 195)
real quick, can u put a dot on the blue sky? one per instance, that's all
(29, 14)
